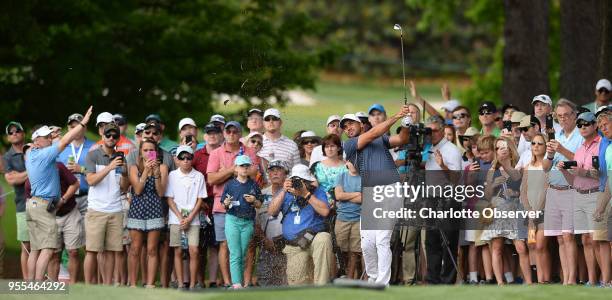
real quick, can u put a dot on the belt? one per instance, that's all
(561, 187)
(589, 191)
(39, 199)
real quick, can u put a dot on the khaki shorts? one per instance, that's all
(193, 235)
(348, 237)
(584, 207)
(22, 227)
(601, 228)
(70, 230)
(103, 231)
(41, 225)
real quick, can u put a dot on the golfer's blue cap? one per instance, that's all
(377, 107)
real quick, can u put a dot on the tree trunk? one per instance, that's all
(525, 72)
(585, 47)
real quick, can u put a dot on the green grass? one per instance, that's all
(336, 97)
(555, 292)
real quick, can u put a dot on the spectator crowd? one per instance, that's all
(233, 207)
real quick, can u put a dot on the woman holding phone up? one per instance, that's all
(148, 179)
(502, 188)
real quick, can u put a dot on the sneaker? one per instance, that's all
(212, 285)
(236, 286)
(473, 282)
(174, 284)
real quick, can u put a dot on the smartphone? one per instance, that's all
(568, 164)
(595, 162)
(549, 126)
(152, 155)
(188, 139)
(508, 126)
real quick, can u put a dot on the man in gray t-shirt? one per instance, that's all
(369, 152)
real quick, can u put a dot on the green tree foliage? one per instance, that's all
(143, 56)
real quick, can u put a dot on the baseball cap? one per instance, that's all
(603, 109)
(309, 135)
(586, 116)
(517, 116)
(139, 128)
(332, 118)
(302, 171)
(542, 98)
(272, 112)
(13, 124)
(603, 83)
(111, 127)
(183, 148)
(42, 131)
(217, 118)
(348, 117)
(54, 128)
(450, 105)
(211, 127)
(235, 124)
(252, 134)
(120, 119)
(277, 163)
(104, 117)
(528, 121)
(470, 132)
(154, 124)
(242, 160)
(186, 121)
(377, 107)
(74, 117)
(255, 111)
(153, 117)
(487, 106)
(361, 114)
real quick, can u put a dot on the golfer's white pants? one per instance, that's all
(376, 248)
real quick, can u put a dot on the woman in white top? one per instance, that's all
(533, 197)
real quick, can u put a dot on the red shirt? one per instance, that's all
(220, 158)
(200, 163)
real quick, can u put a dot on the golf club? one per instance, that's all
(398, 27)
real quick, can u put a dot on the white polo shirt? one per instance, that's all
(185, 189)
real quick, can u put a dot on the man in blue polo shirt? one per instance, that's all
(73, 157)
(602, 236)
(304, 214)
(44, 179)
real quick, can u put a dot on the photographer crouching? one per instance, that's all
(304, 206)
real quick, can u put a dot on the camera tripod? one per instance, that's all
(402, 236)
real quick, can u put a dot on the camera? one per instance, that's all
(419, 136)
(188, 139)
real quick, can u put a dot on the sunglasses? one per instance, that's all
(185, 157)
(310, 142)
(580, 125)
(256, 142)
(524, 129)
(603, 91)
(16, 131)
(485, 113)
(460, 116)
(537, 143)
(114, 136)
(232, 131)
(147, 132)
(270, 118)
